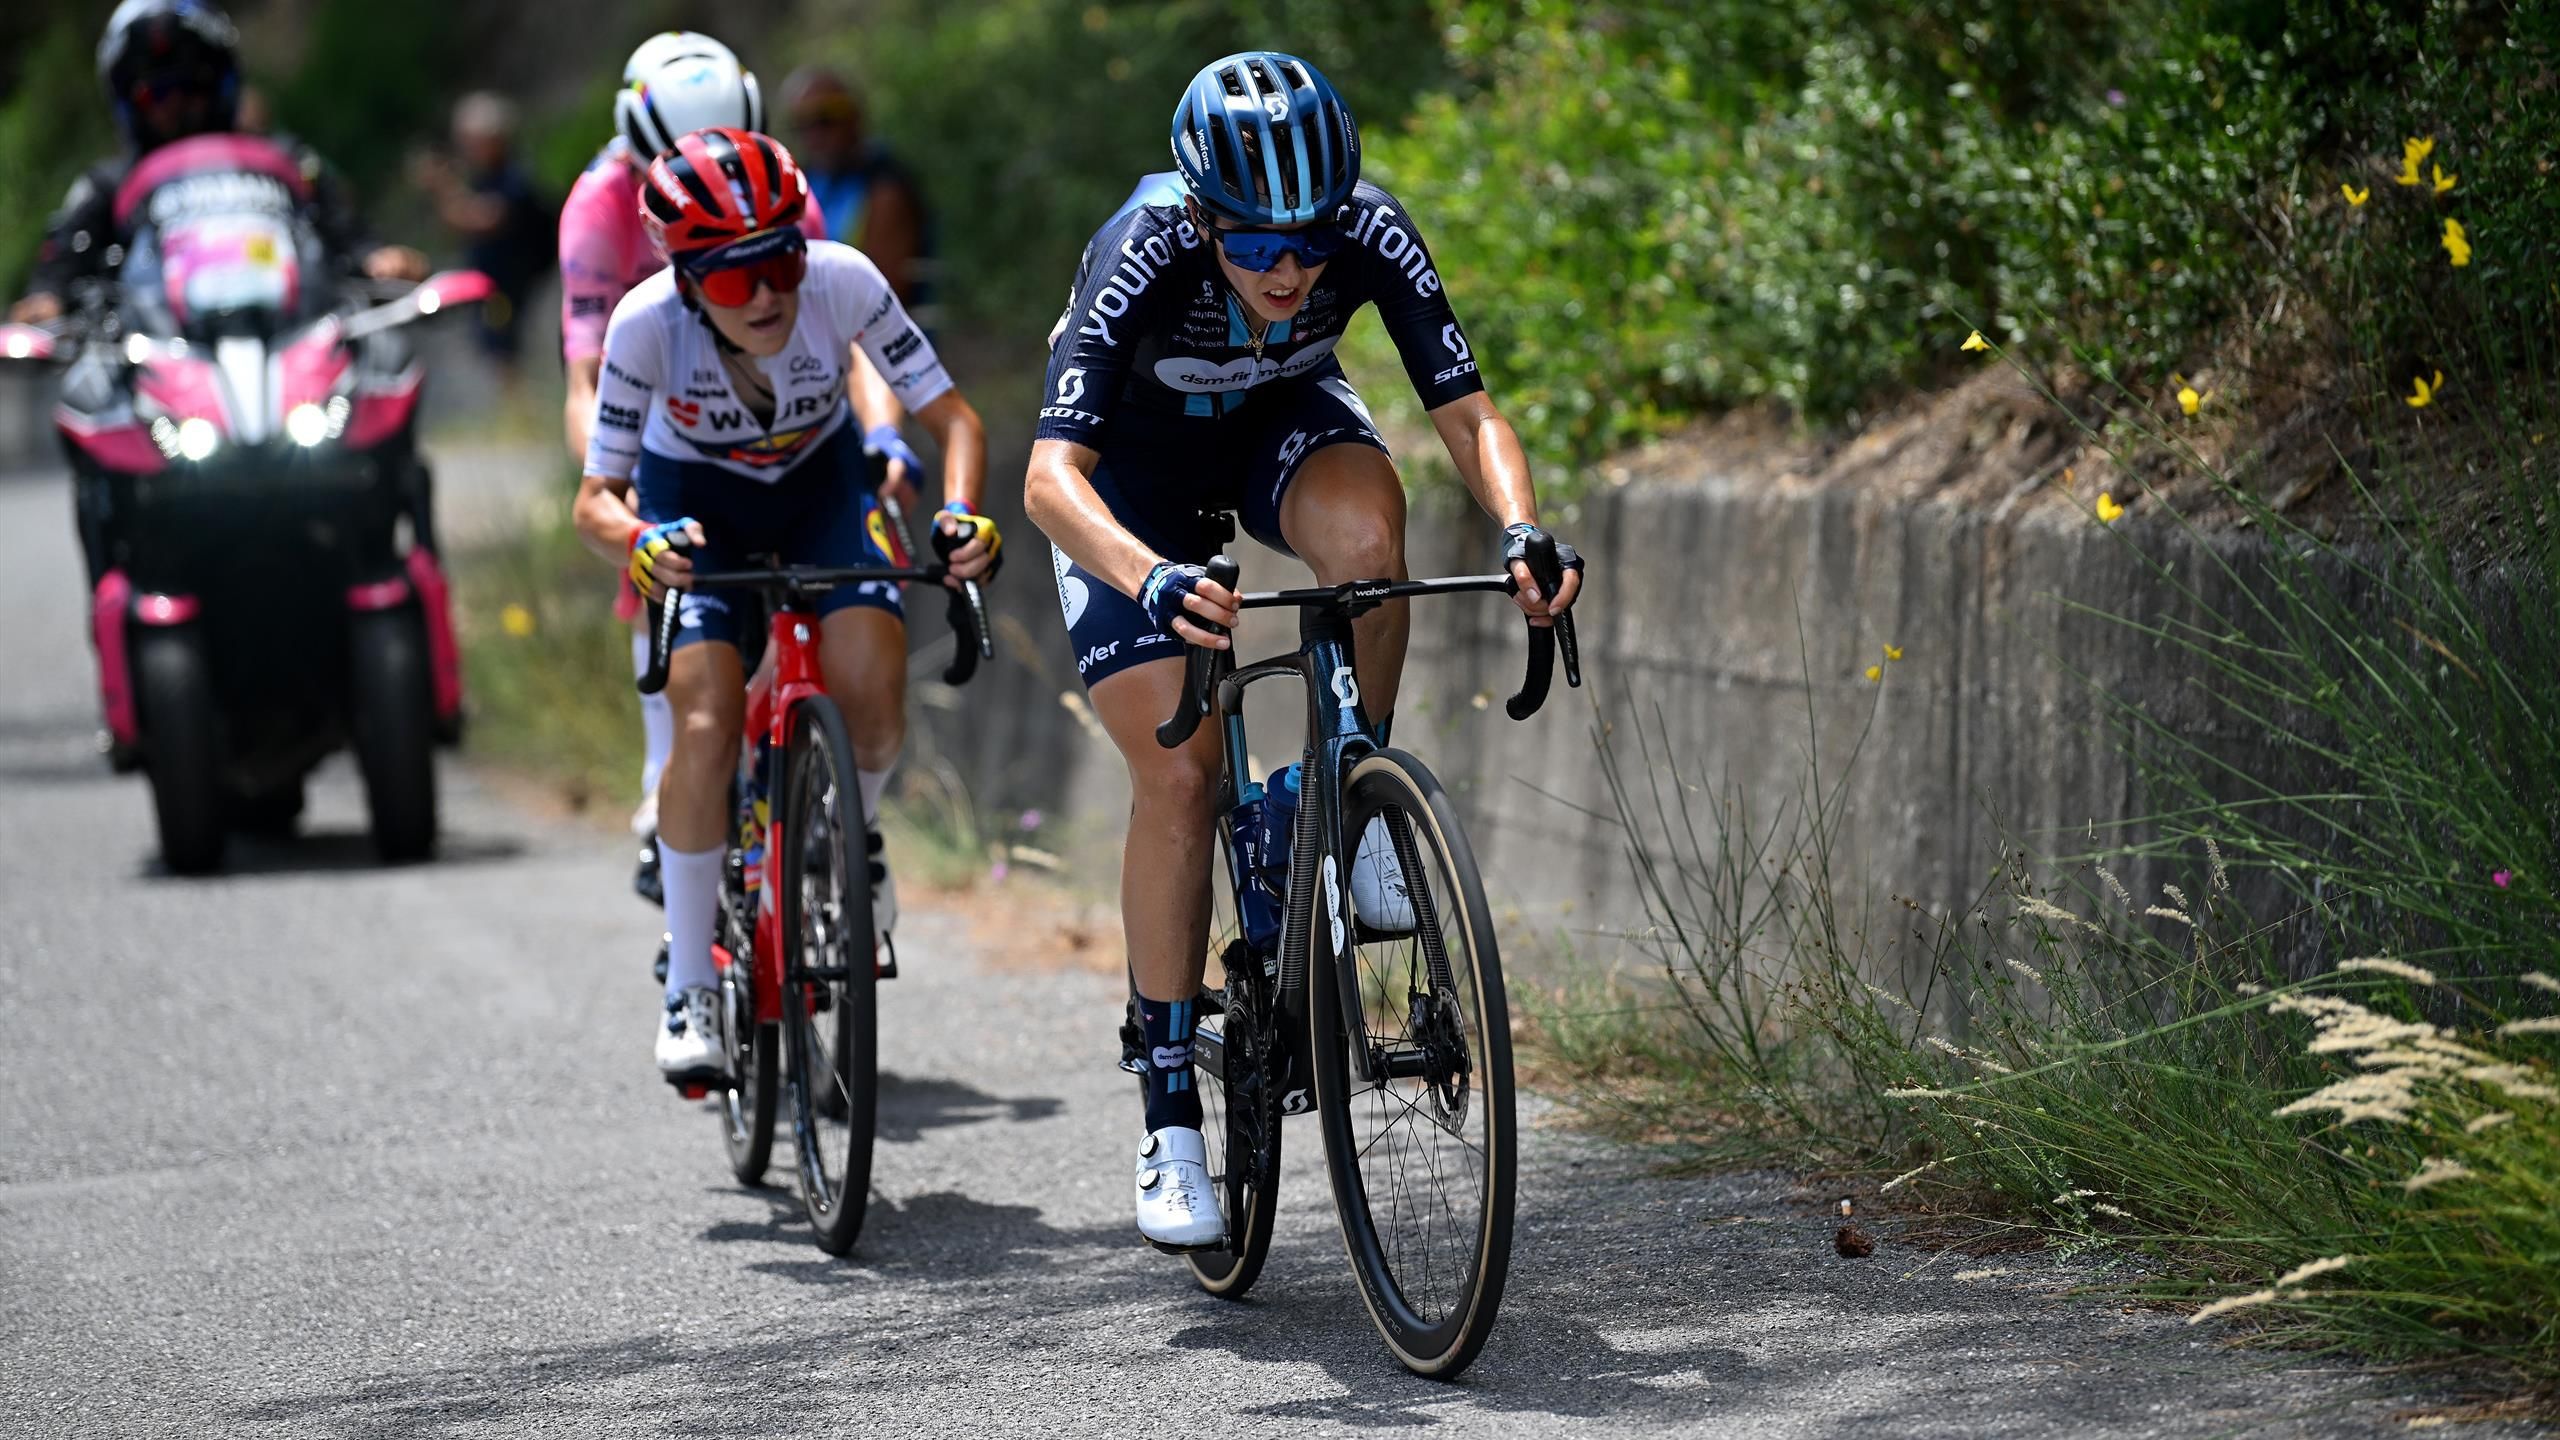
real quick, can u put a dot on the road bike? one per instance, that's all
(794, 947)
(1398, 1042)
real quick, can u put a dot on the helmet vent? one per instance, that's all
(1233, 82)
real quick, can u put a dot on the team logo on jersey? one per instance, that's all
(1071, 385)
(1193, 375)
(764, 452)
(685, 412)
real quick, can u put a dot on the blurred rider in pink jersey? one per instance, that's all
(675, 83)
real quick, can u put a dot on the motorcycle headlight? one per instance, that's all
(308, 425)
(197, 438)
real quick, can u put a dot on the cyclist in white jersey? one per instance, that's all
(722, 431)
(674, 83)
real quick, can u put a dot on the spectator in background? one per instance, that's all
(868, 199)
(490, 202)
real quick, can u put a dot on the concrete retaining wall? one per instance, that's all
(1711, 603)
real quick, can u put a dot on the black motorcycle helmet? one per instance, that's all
(171, 69)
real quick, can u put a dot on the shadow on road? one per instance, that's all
(330, 852)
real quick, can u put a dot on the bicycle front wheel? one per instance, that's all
(830, 1019)
(1421, 1150)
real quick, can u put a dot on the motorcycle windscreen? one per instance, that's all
(222, 274)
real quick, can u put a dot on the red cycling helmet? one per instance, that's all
(718, 187)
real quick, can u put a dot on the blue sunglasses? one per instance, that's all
(1259, 250)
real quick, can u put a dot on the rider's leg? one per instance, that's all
(863, 650)
(657, 723)
(706, 686)
(1164, 867)
(1344, 515)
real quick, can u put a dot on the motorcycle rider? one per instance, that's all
(171, 69)
(675, 83)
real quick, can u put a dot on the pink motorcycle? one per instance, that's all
(240, 425)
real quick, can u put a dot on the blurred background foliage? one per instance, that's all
(1646, 210)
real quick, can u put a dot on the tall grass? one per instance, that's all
(2311, 1081)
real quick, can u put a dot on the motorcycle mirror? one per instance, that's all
(26, 342)
(452, 287)
(440, 291)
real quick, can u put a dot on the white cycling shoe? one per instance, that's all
(1378, 893)
(1177, 1206)
(689, 1049)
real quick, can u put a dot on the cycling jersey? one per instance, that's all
(605, 248)
(1154, 326)
(665, 390)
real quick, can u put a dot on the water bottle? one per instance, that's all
(1279, 827)
(1261, 909)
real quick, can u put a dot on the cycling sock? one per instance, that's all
(873, 782)
(657, 720)
(1171, 1099)
(692, 879)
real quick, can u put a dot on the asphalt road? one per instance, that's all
(318, 1148)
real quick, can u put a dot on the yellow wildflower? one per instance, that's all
(2416, 149)
(2354, 195)
(2189, 401)
(1893, 652)
(2457, 244)
(2423, 391)
(2108, 509)
(2408, 173)
(1975, 341)
(1875, 672)
(516, 620)
(2444, 182)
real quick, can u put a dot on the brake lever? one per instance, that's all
(975, 640)
(661, 614)
(1202, 667)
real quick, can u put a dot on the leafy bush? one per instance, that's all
(1648, 210)
(1029, 121)
(51, 126)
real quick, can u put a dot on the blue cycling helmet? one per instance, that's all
(1263, 139)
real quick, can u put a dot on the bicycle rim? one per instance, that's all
(829, 987)
(1421, 1160)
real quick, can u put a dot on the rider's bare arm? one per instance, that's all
(1058, 494)
(578, 416)
(1487, 452)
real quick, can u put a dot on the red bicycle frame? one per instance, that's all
(790, 678)
(774, 694)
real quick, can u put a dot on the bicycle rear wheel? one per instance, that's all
(1240, 1116)
(755, 1061)
(830, 1020)
(1422, 1157)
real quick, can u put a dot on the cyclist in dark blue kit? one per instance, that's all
(1194, 373)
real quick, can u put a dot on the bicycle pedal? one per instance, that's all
(886, 962)
(693, 1092)
(1217, 1246)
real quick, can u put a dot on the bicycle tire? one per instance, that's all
(747, 1107)
(1242, 1119)
(1458, 1056)
(826, 899)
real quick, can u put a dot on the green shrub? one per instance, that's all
(1652, 211)
(1029, 121)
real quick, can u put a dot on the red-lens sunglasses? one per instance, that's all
(733, 285)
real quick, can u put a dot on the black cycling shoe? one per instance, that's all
(644, 880)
